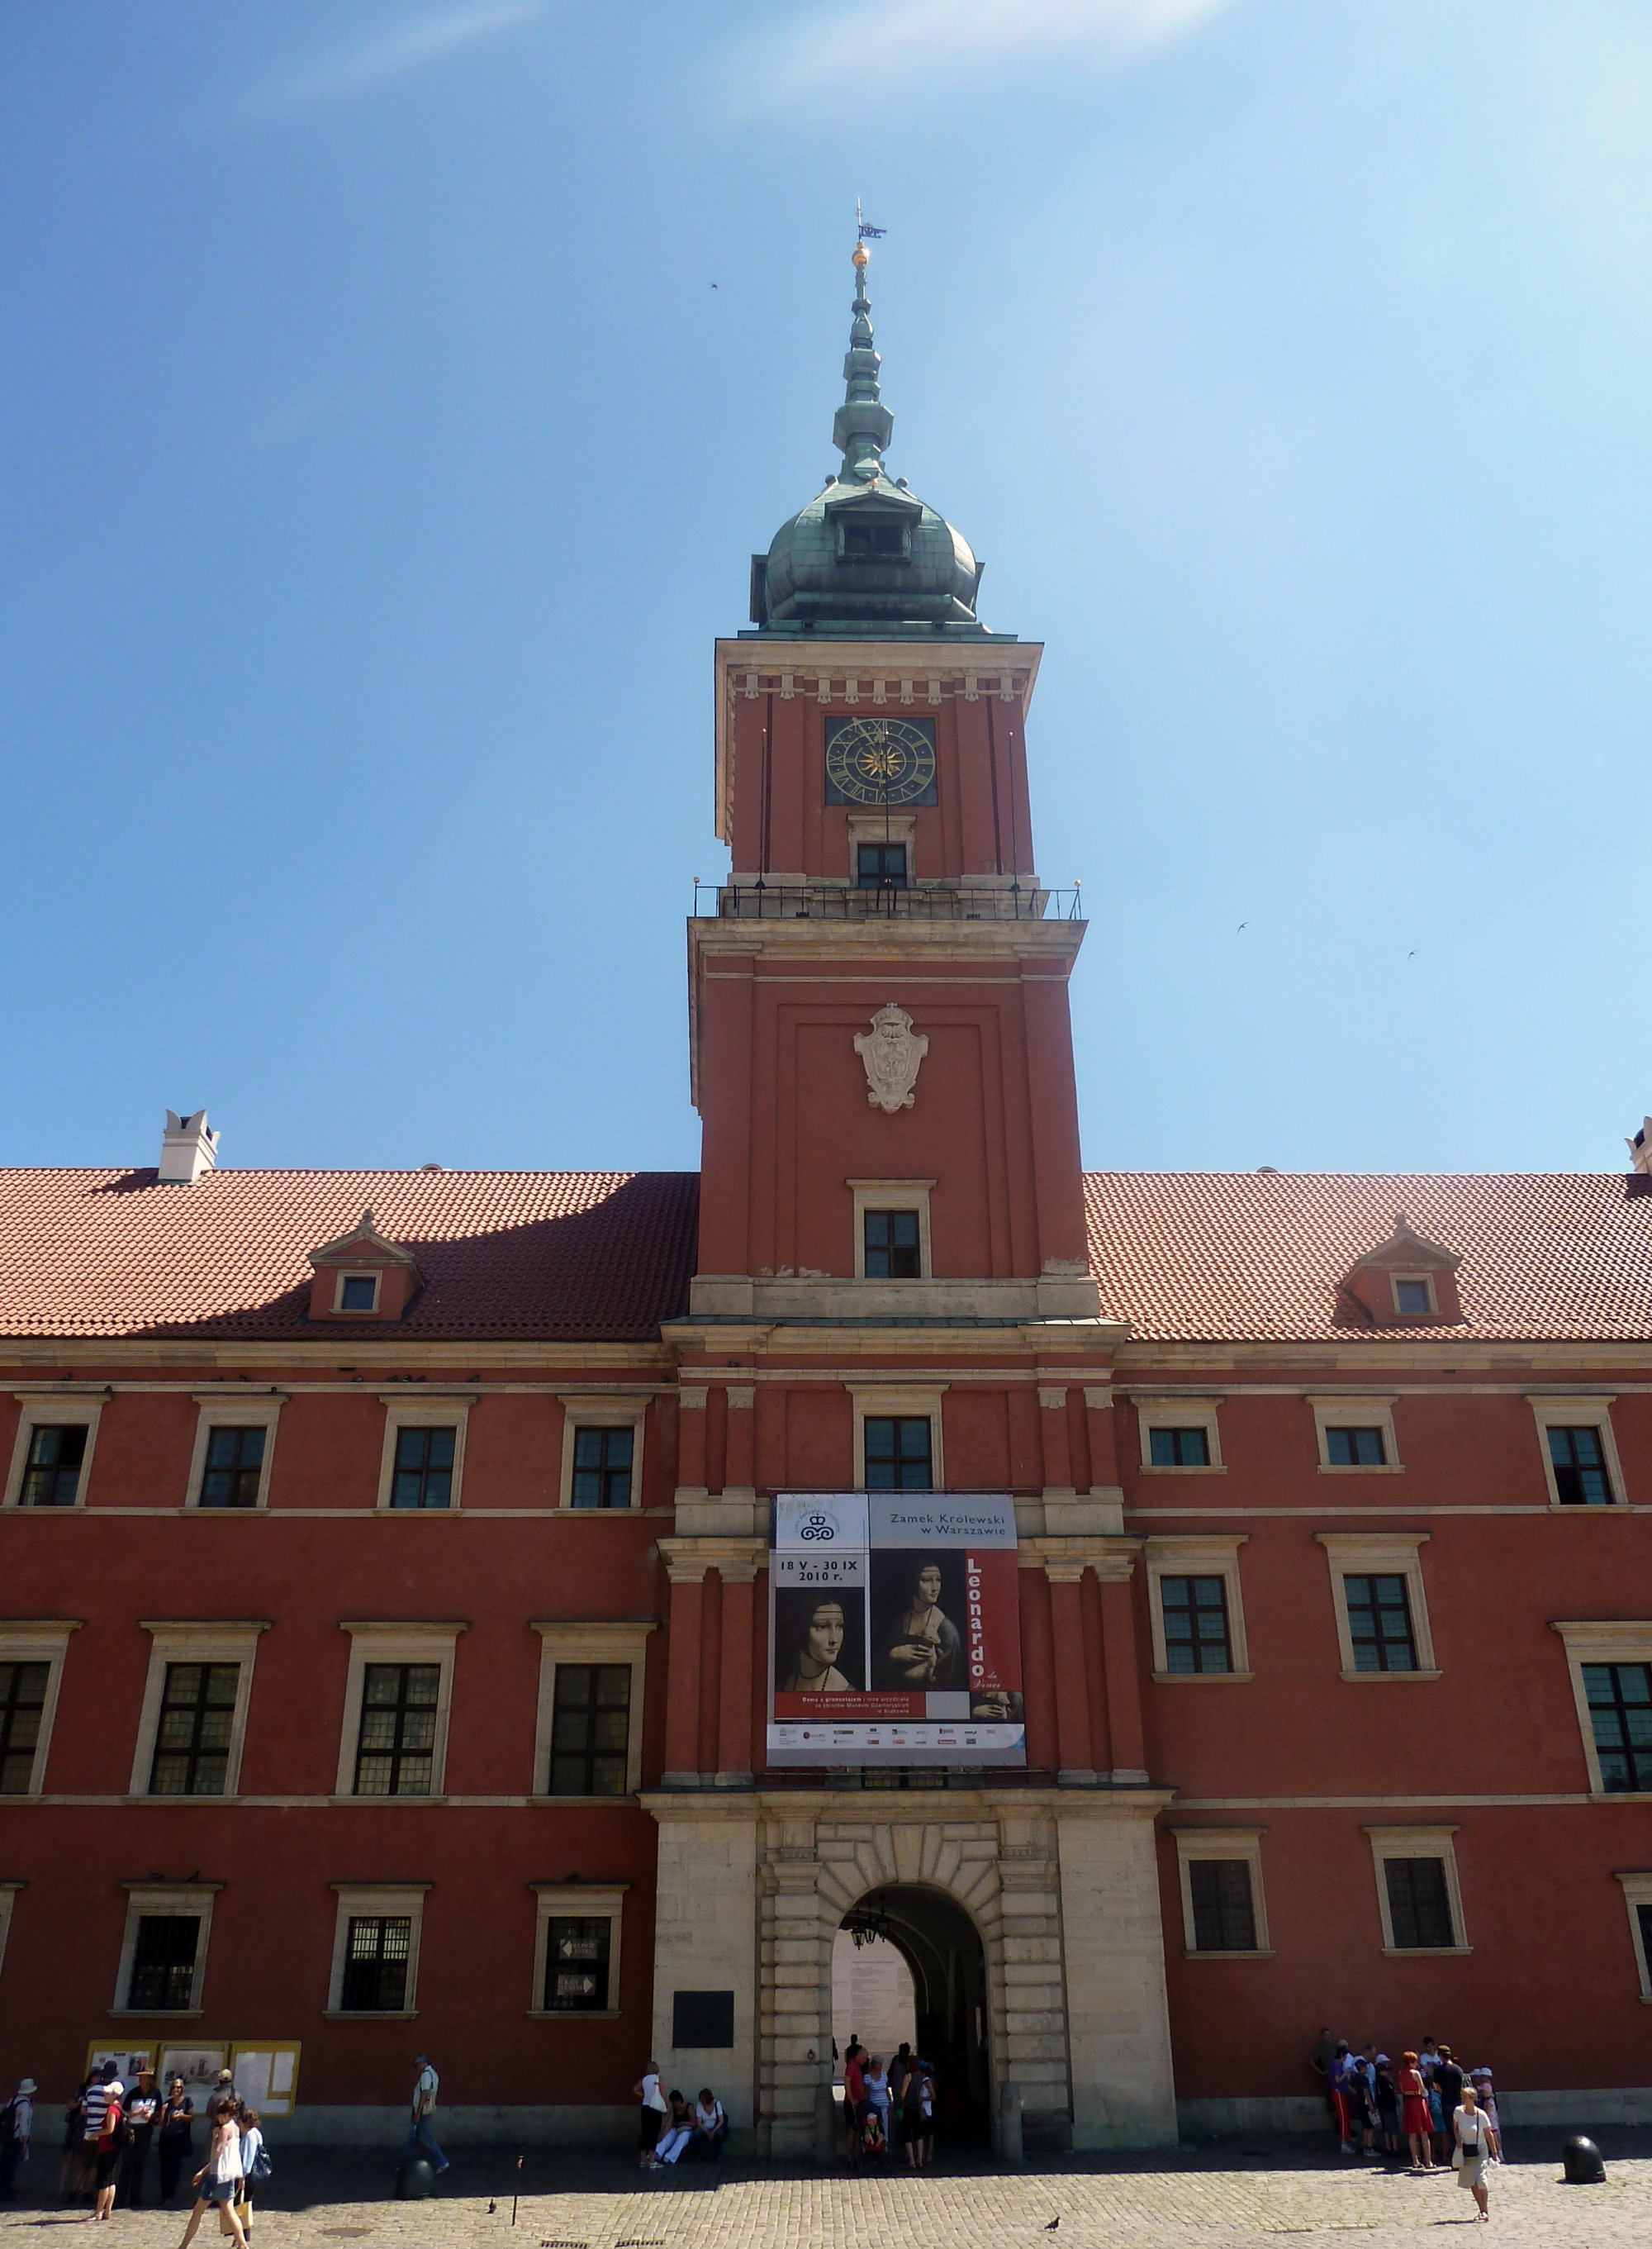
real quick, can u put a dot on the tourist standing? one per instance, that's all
(111, 2143)
(1485, 2096)
(855, 2094)
(1473, 2136)
(912, 2111)
(219, 2177)
(172, 2134)
(653, 2108)
(926, 2114)
(1415, 2119)
(142, 2106)
(1341, 2071)
(1388, 2101)
(420, 2130)
(17, 2127)
(877, 2086)
(255, 2163)
(1449, 2077)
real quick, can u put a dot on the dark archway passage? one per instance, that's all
(942, 1948)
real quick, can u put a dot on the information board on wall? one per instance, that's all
(895, 1631)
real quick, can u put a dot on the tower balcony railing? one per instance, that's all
(835, 901)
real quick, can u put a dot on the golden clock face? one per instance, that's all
(881, 761)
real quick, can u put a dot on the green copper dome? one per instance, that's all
(866, 555)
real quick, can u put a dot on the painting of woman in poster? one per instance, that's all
(916, 1643)
(818, 1641)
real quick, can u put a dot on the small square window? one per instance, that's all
(1180, 1448)
(359, 1292)
(576, 1965)
(376, 1964)
(1412, 1299)
(193, 1734)
(1580, 1477)
(894, 1249)
(1354, 1448)
(591, 1730)
(163, 1958)
(395, 1749)
(22, 1702)
(1223, 1917)
(1380, 1624)
(897, 1454)
(1619, 1699)
(1419, 1905)
(1195, 1613)
(602, 1465)
(234, 1468)
(51, 1477)
(423, 1473)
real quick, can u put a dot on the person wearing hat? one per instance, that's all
(17, 2123)
(1485, 2093)
(222, 2091)
(112, 2141)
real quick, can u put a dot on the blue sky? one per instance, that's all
(379, 463)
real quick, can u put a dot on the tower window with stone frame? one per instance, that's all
(897, 1454)
(880, 866)
(893, 1246)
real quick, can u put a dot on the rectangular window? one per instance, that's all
(163, 1963)
(1179, 1448)
(576, 1965)
(1581, 1478)
(1195, 1611)
(1619, 1698)
(359, 1292)
(234, 1468)
(1354, 1448)
(591, 1730)
(423, 1475)
(880, 866)
(897, 1454)
(893, 1250)
(396, 1745)
(192, 1740)
(1411, 1299)
(376, 1964)
(1643, 1923)
(1224, 1918)
(53, 1476)
(602, 1462)
(23, 1700)
(1380, 1624)
(868, 540)
(1419, 1905)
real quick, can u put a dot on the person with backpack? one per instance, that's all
(255, 2165)
(16, 2124)
(111, 2145)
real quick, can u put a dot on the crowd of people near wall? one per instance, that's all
(1446, 2116)
(886, 2105)
(110, 2128)
(674, 2128)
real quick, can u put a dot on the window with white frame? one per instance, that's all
(897, 1437)
(1197, 1609)
(422, 1467)
(397, 1697)
(1178, 1433)
(1637, 1896)
(192, 1723)
(588, 1738)
(1380, 1607)
(576, 1948)
(51, 1453)
(1356, 1437)
(8, 1902)
(32, 1659)
(375, 1949)
(892, 1240)
(163, 1953)
(1611, 1668)
(602, 1438)
(1580, 1453)
(234, 1450)
(1223, 1912)
(1418, 1899)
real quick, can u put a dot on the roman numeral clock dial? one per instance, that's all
(881, 761)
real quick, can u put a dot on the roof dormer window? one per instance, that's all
(358, 1292)
(1404, 1280)
(1413, 1296)
(363, 1275)
(866, 538)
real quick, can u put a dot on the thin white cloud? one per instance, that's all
(396, 51)
(874, 48)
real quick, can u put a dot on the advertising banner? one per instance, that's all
(894, 1632)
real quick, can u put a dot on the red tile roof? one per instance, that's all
(594, 1255)
(1237, 1256)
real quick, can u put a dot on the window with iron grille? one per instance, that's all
(591, 1730)
(576, 1965)
(1194, 1613)
(52, 1475)
(894, 1249)
(377, 1949)
(1419, 1905)
(23, 1700)
(1223, 1916)
(423, 1473)
(1580, 1479)
(1619, 1699)
(234, 1468)
(880, 866)
(1380, 1624)
(395, 1751)
(192, 1739)
(602, 1465)
(1354, 1448)
(897, 1454)
(163, 1963)
(1179, 1448)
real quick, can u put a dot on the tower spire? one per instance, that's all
(863, 425)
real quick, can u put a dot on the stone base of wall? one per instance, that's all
(517, 2129)
(1290, 2112)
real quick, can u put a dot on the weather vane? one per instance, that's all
(862, 232)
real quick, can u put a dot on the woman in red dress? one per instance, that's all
(1415, 2121)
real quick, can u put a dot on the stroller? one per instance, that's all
(874, 2140)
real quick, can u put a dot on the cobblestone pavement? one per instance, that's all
(1233, 2195)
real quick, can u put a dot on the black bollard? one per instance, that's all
(1583, 2166)
(416, 2181)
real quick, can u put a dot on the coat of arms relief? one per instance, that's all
(891, 1051)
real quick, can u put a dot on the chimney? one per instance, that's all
(1640, 1149)
(187, 1150)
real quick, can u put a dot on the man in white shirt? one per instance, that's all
(421, 2139)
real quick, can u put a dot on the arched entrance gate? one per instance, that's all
(942, 1946)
